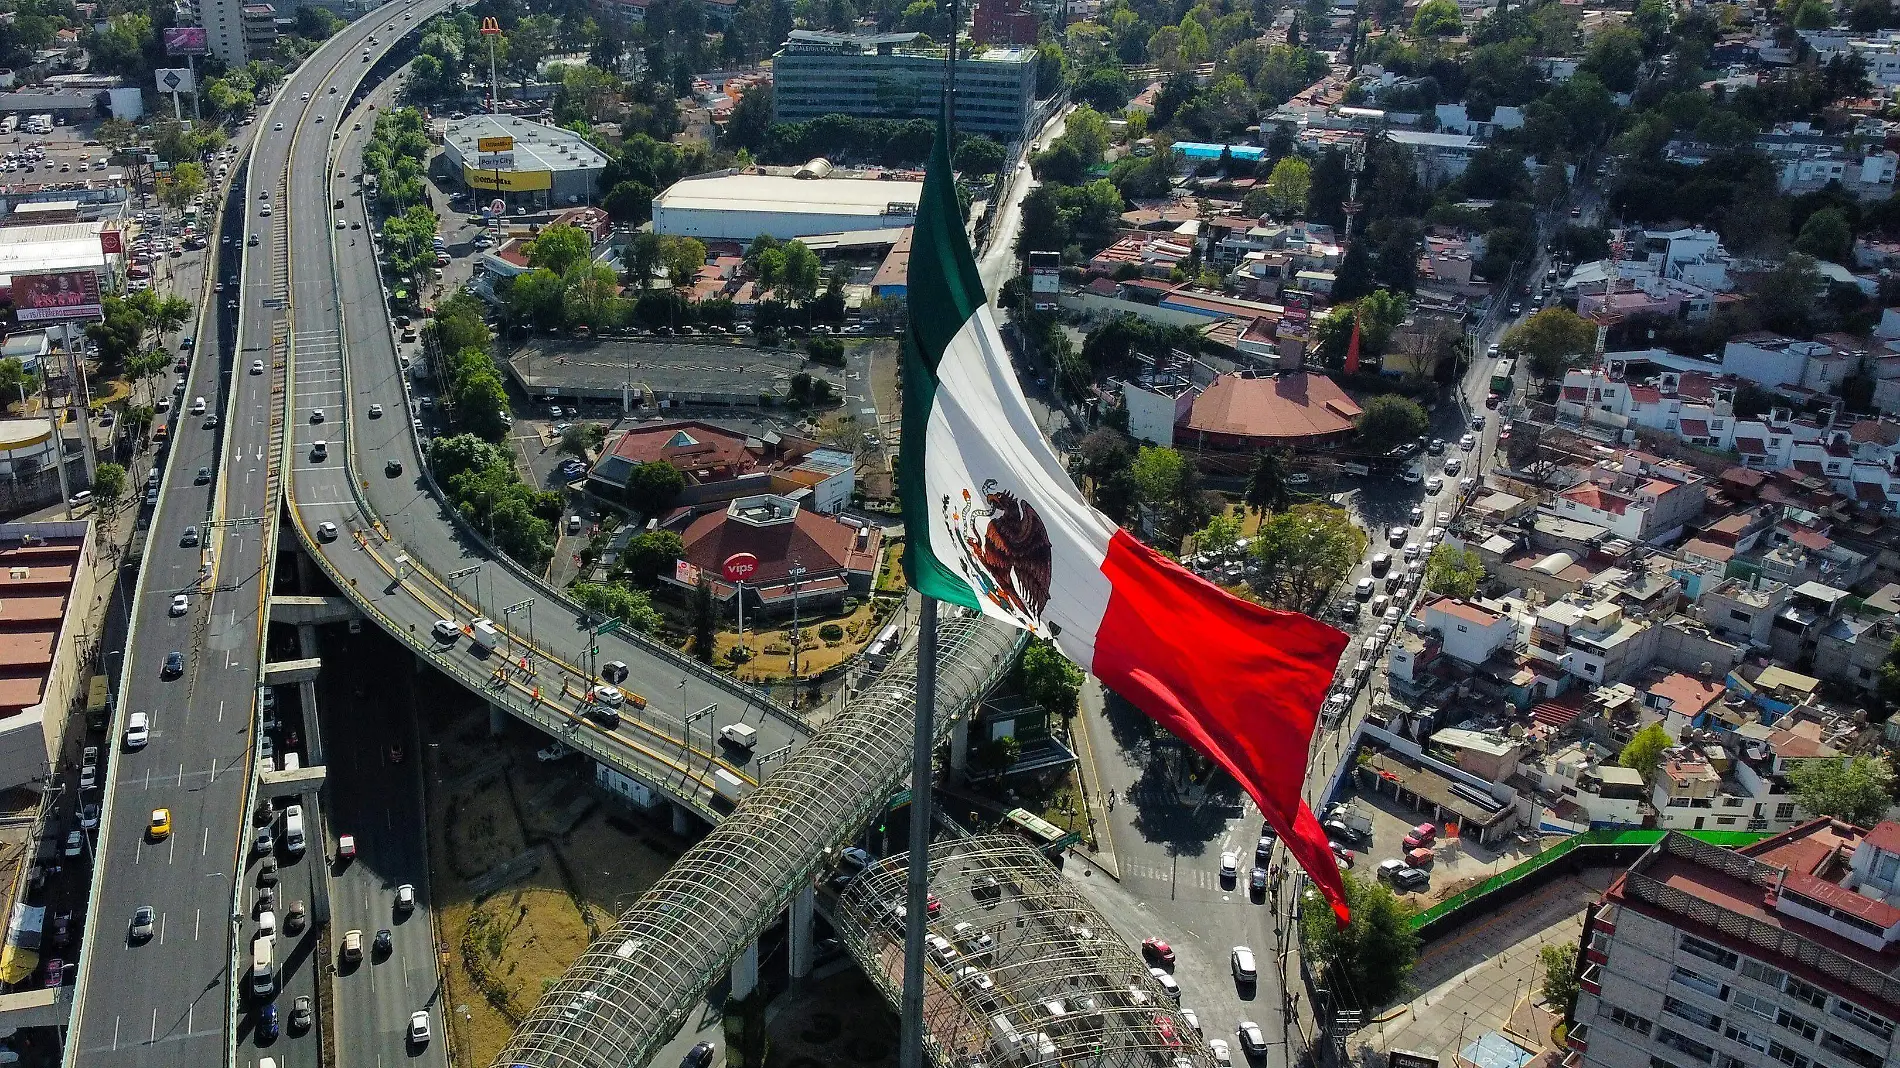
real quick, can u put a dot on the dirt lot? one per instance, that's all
(519, 892)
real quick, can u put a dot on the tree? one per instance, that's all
(1047, 677)
(1219, 536)
(1266, 484)
(1390, 420)
(651, 554)
(1454, 572)
(1288, 185)
(580, 438)
(615, 600)
(801, 272)
(751, 118)
(1826, 236)
(705, 621)
(1169, 486)
(1370, 956)
(1560, 985)
(1550, 341)
(1858, 790)
(1303, 552)
(1644, 751)
(653, 487)
(1437, 18)
(629, 202)
(108, 482)
(177, 190)
(979, 156)
(559, 247)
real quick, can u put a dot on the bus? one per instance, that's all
(1042, 834)
(98, 702)
(1502, 376)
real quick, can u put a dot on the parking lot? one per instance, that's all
(1456, 862)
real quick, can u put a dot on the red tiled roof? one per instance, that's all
(1592, 496)
(1810, 467)
(1885, 835)
(1560, 711)
(693, 447)
(1751, 446)
(1879, 913)
(1283, 407)
(818, 543)
(1686, 694)
(1708, 550)
(1645, 394)
(1465, 610)
(1742, 475)
(1808, 539)
(1869, 491)
(1696, 428)
(1575, 393)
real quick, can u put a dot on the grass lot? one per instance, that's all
(504, 946)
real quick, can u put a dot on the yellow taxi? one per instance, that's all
(161, 826)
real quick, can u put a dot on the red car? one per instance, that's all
(346, 847)
(1158, 951)
(932, 906)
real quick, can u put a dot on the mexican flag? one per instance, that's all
(994, 523)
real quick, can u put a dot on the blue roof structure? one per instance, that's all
(1493, 1050)
(1201, 150)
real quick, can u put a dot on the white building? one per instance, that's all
(727, 206)
(1468, 630)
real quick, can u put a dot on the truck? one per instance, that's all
(742, 735)
(1349, 820)
(727, 785)
(483, 636)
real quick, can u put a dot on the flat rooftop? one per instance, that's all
(799, 196)
(537, 147)
(663, 367)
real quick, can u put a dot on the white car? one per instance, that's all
(1223, 1058)
(976, 979)
(264, 211)
(445, 630)
(306, 96)
(609, 695)
(1229, 865)
(1467, 443)
(316, 415)
(1434, 484)
(279, 126)
(326, 531)
(138, 730)
(405, 898)
(1168, 985)
(375, 411)
(419, 1027)
(342, 225)
(1454, 465)
(319, 118)
(180, 604)
(257, 367)
(1253, 1041)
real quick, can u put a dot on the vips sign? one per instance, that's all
(45, 298)
(740, 566)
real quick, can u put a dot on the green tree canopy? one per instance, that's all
(1304, 552)
(1047, 677)
(1288, 185)
(1437, 18)
(559, 247)
(618, 601)
(108, 481)
(1644, 751)
(1389, 420)
(1858, 790)
(653, 487)
(1454, 572)
(1551, 341)
(1374, 953)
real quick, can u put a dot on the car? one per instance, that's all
(609, 695)
(1229, 866)
(1223, 1057)
(326, 531)
(419, 1028)
(346, 847)
(974, 978)
(305, 97)
(1363, 590)
(1422, 835)
(252, 242)
(382, 946)
(319, 450)
(1436, 446)
(267, 922)
(319, 118)
(405, 898)
(75, 843)
(445, 630)
(973, 939)
(1168, 985)
(174, 665)
(257, 367)
(278, 126)
(316, 415)
(1344, 856)
(264, 841)
(352, 950)
(159, 827)
(267, 1022)
(1257, 881)
(267, 872)
(180, 604)
(701, 1055)
(203, 476)
(1467, 443)
(264, 212)
(1396, 536)
(375, 411)
(1253, 1041)
(393, 468)
(89, 816)
(1411, 550)
(189, 538)
(342, 224)
(300, 1014)
(144, 922)
(1158, 951)
(1242, 963)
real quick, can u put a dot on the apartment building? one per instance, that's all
(1782, 953)
(888, 76)
(1590, 639)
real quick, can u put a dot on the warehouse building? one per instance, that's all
(885, 76)
(724, 206)
(524, 163)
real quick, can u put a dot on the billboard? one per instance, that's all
(685, 574)
(186, 41)
(111, 243)
(507, 181)
(175, 80)
(495, 161)
(45, 298)
(494, 144)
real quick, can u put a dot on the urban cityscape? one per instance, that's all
(1425, 591)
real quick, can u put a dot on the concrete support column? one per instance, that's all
(960, 747)
(682, 820)
(308, 642)
(799, 930)
(745, 972)
(307, 577)
(497, 720)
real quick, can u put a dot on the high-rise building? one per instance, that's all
(888, 76)
(1785, 952)
(223, 21)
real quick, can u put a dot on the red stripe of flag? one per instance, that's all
(1240, 683)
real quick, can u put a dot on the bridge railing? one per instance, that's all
(631, 990)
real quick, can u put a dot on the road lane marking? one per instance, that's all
(197, 918)
(161, 927)
(115, 1033)
(171, 851)
(204, 844)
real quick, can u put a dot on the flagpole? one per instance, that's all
(923, 734)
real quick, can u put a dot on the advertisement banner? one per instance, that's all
(685, 574)
(494, 144)
(507, 181)
(175, 80)
(111, 243)
(43, 298)
(186, 41)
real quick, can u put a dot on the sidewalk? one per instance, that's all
(1094, 798)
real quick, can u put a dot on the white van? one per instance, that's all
(80, 499)
(740, 734)
(263, 968)
(483, 635)
(293, 829)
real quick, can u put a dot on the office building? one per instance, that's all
(1780, 953)
(886, 76)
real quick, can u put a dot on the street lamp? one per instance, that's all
(507, 618)
(455, 578)
(798, 574)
